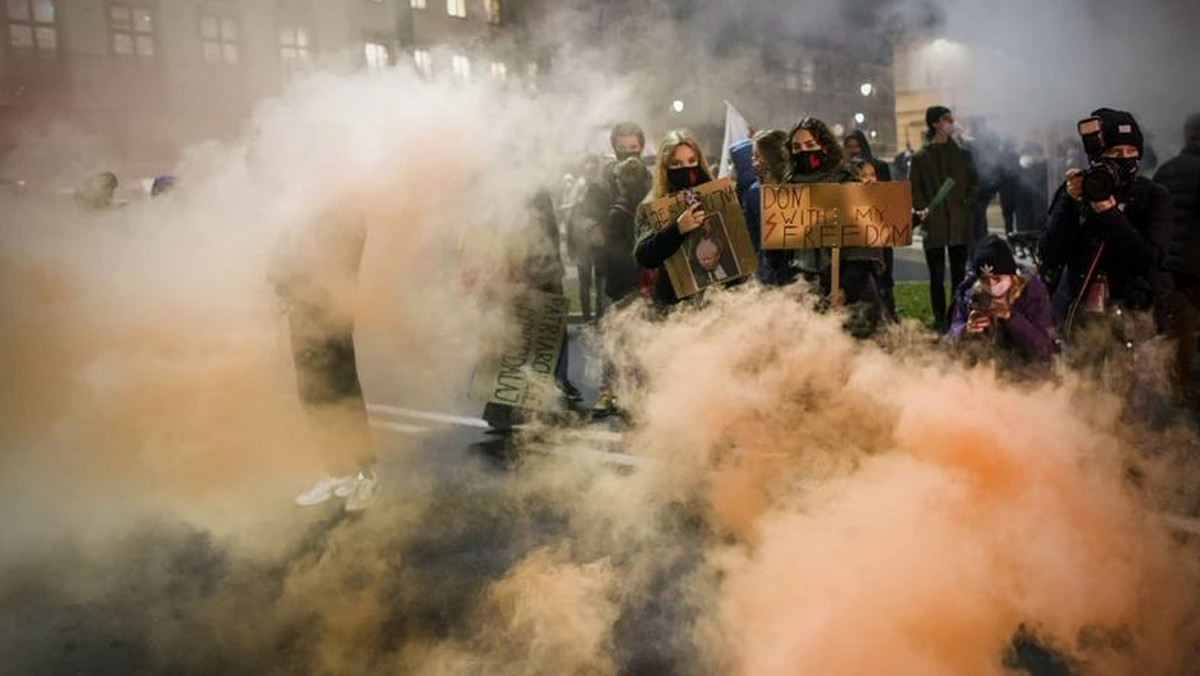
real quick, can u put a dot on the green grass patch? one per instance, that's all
(912, 302)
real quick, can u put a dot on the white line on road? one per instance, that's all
(425, 415)
(398, 427)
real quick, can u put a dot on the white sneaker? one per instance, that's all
(326, 488)
(363, 490)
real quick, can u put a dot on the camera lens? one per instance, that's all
(1100, 181)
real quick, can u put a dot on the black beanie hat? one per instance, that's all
(934, 113)
(995, 257)
(1118, 127)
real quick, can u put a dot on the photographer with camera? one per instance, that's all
(1108, 232)
(1003, 304)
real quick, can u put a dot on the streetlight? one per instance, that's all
(860, 118)
(677, 106)
(866, 89)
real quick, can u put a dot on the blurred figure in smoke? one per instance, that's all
(620, 233)
(873, 170)
(97, 191)
(763, 160)
(947, 229)
(680, 165)
(628, 141)
(1033, 184)
(902, 163)
(315, 275)
(162, 185)
(1004, 304)
(1108, 233)
(1181, 176)
(996, 166)
(585, 241)
(817, 158)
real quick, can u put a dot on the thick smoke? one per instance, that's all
(803, 500)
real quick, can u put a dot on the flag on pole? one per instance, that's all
(736, 129)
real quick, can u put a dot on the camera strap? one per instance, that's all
(1083, 291)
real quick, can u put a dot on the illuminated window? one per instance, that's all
(132, 30)
(418, 4)
(491, 9)
(499, 71)
(808, 76)
(457, 8)
(295, 46)
(423, 61)
(377, 54)
(461, 66)
(219, 35)
(32, 27)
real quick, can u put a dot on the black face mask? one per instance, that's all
(1129, 169)
(682, 178)
(809, 161)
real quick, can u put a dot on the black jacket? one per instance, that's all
(1181, 177)
(1135, 235)
(652, 252)
(949, 224)
(620, 232)
(882, 170)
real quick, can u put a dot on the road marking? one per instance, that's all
(398, 427)
(426, 415)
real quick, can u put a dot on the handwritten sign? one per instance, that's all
(521, 372)
(821, 215)
(716, 252)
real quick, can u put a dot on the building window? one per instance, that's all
(220, 37)
(491, 9)
(377, 55)
(295, 47)
(808, 76)
(423, 61)
(499, 71)
(457, 8)
(461, 66)
(418, 4)
(31, 26)
(791, 80)
(132, 30)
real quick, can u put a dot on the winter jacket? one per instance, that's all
(1027, 331)
(1135, 235)
(1181, 177)
(620, 232)
(652, 251)
(774, 265)
(950, 223)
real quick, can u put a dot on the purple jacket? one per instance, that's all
(1027, 331)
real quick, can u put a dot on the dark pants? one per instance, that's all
(327, 377)
(591, 278)
(935, 259)
(1185, 300)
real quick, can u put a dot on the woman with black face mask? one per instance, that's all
(680, 165)
(817, 158)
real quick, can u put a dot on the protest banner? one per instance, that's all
(833, 215)
(520, 372)
(718, 251)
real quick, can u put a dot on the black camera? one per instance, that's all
(1103, 178)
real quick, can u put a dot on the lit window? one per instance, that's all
(457, 8)
(791, 80)
(423, 61)
(31, 26)
(377, 55)
(461, 66)
(499, 71)
(220, 39)
(295, 47)
(132, 30)
(808, 76)
(491, 9)
(418, 4)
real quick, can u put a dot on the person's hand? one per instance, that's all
(691, 218)
(1101, 207)
(978, 322)
(1075, 184)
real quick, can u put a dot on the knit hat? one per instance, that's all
(993, 256)
(1118, 128)
(934, 113)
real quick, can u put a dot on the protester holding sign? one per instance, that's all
(817, 158)
(680, 166)
(871, 172)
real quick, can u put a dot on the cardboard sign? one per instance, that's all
(716, 252)
(822, 215)
(521, 372)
